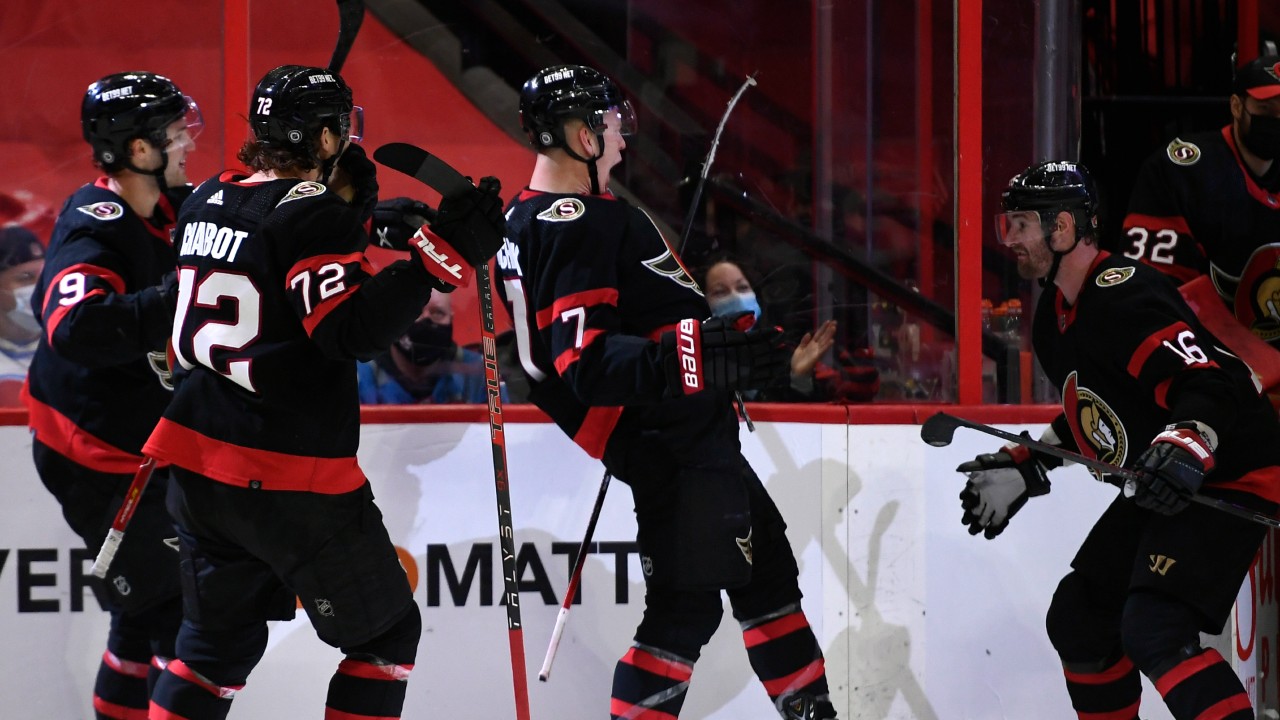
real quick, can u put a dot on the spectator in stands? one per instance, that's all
(729, 291)
(425, 365)
(21, 259)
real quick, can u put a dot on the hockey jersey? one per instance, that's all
(276, 304)
(1196, 209)
(591, 285)
(1125, 375)
(98, 382)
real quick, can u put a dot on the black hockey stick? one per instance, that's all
(939, 430)
(350, 17)
(444, 179)
(706, 164)
(563, 616)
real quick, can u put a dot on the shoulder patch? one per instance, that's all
(103, 210)
(302, 190)
(1114, 276)
(1181, 152)
(563, 210)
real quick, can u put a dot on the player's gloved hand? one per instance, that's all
(999, 485)
(473, 223)
(1172, 469)
(396, 220)
(169, 290)
(721, 353)
(363, 176)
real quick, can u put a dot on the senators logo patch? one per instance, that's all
(1114, 276)
(1257, 296)
(669, 267)
(564, 210)
(1181, 152)
(302, 190)
(1096, 427)
(102, 210)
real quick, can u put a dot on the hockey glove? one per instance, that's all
(473, 223)
(999, 485)
(1172, 470)
(363, 175)
(396, 220)
(721, 353)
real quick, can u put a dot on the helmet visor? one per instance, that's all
(626, 118)
(354, 123)
(1018, 226)
(193, 118)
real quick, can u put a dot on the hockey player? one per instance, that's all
(1146, 387)
(98, 381)
(613, 339)
(276, 304)
(1210, 203)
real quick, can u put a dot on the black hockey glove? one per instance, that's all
(721, 353)
(999, 485)
(473, 223)
(396, 220)
(363, 175)
(1172, 470)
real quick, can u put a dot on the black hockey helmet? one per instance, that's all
(292, 103)
(125, 106)
(1056, 186)
(560, 92)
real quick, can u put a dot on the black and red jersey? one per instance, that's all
(1197, 209)
(98, 382)
(1130, 358)
(276, 304)
(591, 285)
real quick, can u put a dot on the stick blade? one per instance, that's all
(350, 18)
(938, 430)
(424, 167)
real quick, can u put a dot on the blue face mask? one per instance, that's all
(735, 303)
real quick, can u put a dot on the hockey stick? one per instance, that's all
(350, 17)
(706, 164)
(939, 430)
(115, 535)
(443, 178)
(574, 579)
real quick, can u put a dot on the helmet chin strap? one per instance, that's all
(1057, 258)
(158, 173)
(328, 165)
(591, 163)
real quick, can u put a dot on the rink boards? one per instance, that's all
(917, 618)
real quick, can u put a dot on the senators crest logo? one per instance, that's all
(1114, 276)
(1096, 427)
(1257, 295)
(103, 210)
(563, 210)
(302, 190)
(1181, 152)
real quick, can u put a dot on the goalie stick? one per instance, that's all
(444, 179)
(939, 430)
(115, 535)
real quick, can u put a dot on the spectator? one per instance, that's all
(21, 259)
(729, 291)
(425, 365)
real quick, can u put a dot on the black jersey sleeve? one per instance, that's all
(88, 312)
(347, 310)
(1171, 357)
(575, 297)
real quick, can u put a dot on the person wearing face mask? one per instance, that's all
(98, 381)
(852, 380)
(1209, 203)
(21, 258)
(425, 365)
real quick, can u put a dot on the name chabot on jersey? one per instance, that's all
(208, 240)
